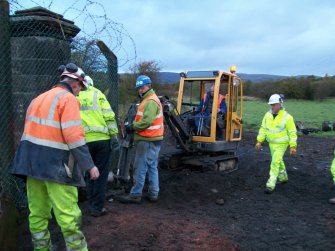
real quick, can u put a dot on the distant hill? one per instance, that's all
(173, 77)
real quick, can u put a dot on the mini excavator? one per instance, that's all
(210, 143)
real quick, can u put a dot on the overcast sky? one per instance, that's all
(287, 37)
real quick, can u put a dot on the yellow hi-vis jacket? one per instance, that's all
(278, 130)
(97, 115)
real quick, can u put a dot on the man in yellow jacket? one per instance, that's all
(100, 129)
(332, 170)
(278, 129)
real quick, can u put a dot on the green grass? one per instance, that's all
(311, 113)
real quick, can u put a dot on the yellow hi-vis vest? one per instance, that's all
(278, 130)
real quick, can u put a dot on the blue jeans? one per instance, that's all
(146, 159)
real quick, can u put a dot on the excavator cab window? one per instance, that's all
(191, 96)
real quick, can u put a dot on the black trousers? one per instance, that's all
(96, 189)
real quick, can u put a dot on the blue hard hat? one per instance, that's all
(142, 80)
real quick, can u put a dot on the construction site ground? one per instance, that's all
(297, 216)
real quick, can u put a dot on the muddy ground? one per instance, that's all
(296, 217)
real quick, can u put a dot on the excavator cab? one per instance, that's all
(195, 87)
(207, 135)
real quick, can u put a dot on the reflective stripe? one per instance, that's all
(262, 134)
(95, 106)
(53, 144)
(279, 140)
(45, 142)
(158, 115)
(95, 98)
(77, 143)
(96, 129)
(82, 245)
(154, 127)
(271, 183)
(90, 108)
(284, 120)
(46, 122)
(292, 131)
(54, 103)
(112, 126)
(74, 238)
(40, 235)
(276, 130)
(71, 123)
(293, 139)
(53, 123)
(107, 111)
(42, 243)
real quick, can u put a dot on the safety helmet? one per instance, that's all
(73, 71)
(275, 99)
(142, 80)
(89, 80)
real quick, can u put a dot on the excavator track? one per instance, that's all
(178, 159)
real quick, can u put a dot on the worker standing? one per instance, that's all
(149, 130)
(332, 170)
(278, 128)
(52, 156)
(100, 130)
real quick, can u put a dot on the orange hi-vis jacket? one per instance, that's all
(52, 147)
(156, 129)
(220, 99)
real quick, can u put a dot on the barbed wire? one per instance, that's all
(93, 26)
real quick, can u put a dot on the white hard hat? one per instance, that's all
(73, 71)
(275, 99)
(89, 80)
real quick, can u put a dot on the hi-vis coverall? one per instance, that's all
(280, 132)
(332, 169)
(53, 156)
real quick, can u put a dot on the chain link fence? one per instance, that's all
(33, 43)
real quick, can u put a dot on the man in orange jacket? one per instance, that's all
(149, 130)
(52, 156)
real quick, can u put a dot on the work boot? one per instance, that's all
(98, 214)
(130, 199)
(268, 190)
(332, 200)
(281, 182)
(151, 198)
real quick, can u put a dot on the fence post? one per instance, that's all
(6, 143)
(113, 77)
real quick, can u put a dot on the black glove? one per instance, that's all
(114, 143)
(129, 129)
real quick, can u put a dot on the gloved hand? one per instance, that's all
(293, 151)
(129, 129)
(258, 146)
(114, 143)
